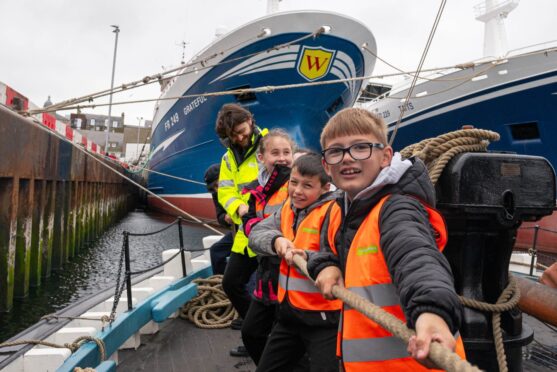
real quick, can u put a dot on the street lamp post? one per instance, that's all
(138, 125)
(116, 31)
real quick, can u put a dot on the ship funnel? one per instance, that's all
(493, 14)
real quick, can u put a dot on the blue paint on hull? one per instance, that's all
(301, 111)
(534, 105)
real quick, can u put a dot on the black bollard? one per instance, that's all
(484, 198)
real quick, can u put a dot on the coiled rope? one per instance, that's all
(211, 308)
(436, 152)
(441, 356)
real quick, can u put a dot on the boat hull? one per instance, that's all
(183, 139)
(515, 98)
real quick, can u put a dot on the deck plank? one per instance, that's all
(182, 347)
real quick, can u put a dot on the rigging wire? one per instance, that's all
(158, 77)
(263, 89)
(420, 65)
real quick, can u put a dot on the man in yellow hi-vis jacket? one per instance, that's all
(237, 130)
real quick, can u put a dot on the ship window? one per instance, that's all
(335, 106)
(372, 91)
(245, 97)
(525, 131)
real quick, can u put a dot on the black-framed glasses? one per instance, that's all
(358, 151)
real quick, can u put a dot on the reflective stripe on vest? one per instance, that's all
(364, 345)
(302, 293)
(297, 284)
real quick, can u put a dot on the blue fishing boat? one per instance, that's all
(301, 48)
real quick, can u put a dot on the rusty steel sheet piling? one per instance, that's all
(53, 200)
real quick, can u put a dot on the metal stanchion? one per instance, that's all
(128, 269)
(534, 250)
(182, 252)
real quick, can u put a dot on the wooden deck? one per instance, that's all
(181, 347)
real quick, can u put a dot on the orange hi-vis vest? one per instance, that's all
(363, 344)
(264, 210)
(301, 292)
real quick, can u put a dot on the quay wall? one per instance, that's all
(53, 200)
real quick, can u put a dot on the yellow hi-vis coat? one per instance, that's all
(232, 179)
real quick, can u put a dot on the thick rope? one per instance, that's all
(507, 300)
(441, 356)
(211, 308)
(436, 152)
(76, 344)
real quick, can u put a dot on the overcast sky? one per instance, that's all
(64, 48)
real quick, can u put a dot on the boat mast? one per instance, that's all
(493, 14)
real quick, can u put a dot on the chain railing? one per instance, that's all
(533, 250)
(125, 262)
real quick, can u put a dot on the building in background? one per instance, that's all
(137, 141)
(94, 127)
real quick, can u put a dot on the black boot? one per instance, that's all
(239, 351)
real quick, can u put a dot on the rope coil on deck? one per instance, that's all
(211, 308)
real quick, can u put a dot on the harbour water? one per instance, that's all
(96, 266)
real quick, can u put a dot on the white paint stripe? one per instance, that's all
(261, 58)
(278, 66)
(472, 101)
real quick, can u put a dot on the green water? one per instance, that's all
(95, 268)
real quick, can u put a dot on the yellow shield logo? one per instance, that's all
(315, 62)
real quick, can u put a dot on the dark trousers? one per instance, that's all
(288, 343)
(256, 328)
(219, 252)
(236, 276)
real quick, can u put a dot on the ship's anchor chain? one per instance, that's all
(211, 308)
(441, 356)
(120, 285)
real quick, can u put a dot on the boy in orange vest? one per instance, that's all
(383, 240)
(306, 322)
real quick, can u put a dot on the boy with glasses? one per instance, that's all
(382, 240)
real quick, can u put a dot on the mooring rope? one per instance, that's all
(436, 152)
(211, 308)
(441, 356)
(507, 300)
(420, 66)
(73, 346)
(202, 65)
(102, 163)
